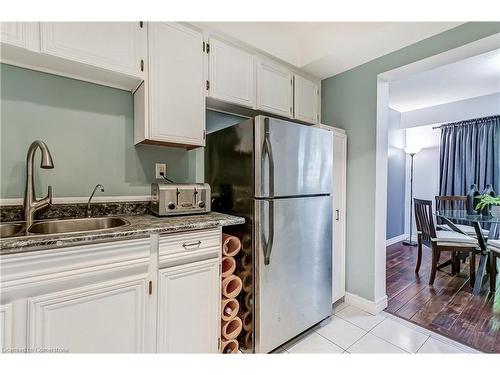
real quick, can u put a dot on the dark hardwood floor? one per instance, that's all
(448, 307)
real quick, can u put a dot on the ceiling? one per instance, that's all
(469, 78)
(324, 49)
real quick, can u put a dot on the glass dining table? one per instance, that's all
(479, 222)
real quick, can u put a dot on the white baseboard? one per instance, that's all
(393, 240)
(403, 237)
(365, 304)
(70, 200)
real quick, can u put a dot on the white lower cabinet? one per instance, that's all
(339, 210)
(339, 173)
(106, 317)
(188, 308)
(6, 326)
(134, 296)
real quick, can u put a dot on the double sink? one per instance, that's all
(32, 205)
(62, 226)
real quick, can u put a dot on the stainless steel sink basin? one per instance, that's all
(76, 225)
(10, 229)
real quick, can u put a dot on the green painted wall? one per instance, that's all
(349, 101)
(89, 131)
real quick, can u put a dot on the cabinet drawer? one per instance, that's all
(189, 245)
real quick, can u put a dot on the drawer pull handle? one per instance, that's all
(191, 244)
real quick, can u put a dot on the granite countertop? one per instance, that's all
(139, 226)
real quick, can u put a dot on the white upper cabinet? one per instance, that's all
(21, 34)
(115, 46)
(306, 100)
(231, 74)
(173, 98)
(107, 53)
(274, 88)
(170, 68)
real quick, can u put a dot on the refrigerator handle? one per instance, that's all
(269, 245)
(267, 149)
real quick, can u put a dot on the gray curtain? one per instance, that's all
(470, 154)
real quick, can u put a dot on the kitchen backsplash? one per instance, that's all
(56, 211)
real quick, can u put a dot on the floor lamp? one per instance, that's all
(411, 151)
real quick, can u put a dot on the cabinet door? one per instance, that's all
(188, 308)
(107, 317)
(6, 327)
(21, 34)
(176, 85)
(306, 100)
(274, 89)
(339, 204)
(115, 46)
(231, 74)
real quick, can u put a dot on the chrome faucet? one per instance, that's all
(89, 211)
(31, 204)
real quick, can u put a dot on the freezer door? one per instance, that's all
(293, 273)
(291, 159)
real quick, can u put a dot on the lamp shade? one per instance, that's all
(412, 150)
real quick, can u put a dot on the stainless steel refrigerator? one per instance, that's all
(278, 175)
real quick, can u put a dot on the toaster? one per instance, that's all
(168, 199)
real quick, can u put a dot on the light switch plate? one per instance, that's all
(160, 168)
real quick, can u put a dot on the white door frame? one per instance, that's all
(477, 47)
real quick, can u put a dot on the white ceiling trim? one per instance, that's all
(468, 78)
(324, 49)
(461, 110)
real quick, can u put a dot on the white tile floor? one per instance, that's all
(351, 330)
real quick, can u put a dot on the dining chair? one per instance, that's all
(494, 247)
(459, 203)
(452, 203)
(441, 241)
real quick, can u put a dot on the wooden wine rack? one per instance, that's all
(231, 286)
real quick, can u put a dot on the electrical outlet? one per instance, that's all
(160, 168)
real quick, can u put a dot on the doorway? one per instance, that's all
(447, 307)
